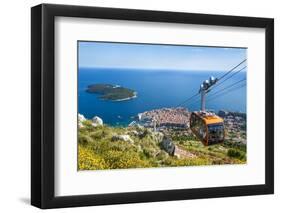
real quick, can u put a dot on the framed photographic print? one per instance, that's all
(139, 106)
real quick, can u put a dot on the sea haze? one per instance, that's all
(155, 89)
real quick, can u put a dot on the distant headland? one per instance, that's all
(112, 92)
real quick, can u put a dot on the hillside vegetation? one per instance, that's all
(100, 148)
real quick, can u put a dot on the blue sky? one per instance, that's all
(162, 57)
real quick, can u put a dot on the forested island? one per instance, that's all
(112, 92)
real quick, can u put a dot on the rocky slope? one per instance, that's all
(104, 147)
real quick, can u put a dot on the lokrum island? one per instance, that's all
(112, 92)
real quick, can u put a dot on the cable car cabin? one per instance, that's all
(208, 127)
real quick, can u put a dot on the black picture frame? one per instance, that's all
(43, 117)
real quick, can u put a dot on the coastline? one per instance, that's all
(126, 99)
(148, 97)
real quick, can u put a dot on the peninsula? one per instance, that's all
(112, 92)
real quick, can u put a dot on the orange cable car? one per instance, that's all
(208, 127)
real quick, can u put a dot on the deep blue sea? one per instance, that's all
(155, 89)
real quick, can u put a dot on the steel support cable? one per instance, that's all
(196, 94)
(231, 70)
(195, 101)
(223, 89)
(226, 92)
(221, 82)
(190, 98)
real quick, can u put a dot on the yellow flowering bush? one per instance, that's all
(88, 160)
(97, 150)
(119, 159)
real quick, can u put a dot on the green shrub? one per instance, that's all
(143, 134)
(149, 152)
(84, 139)
(99, 134)
(187, 161)
(162, 155)
(234, 153)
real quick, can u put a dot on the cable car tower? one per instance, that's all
(207, 126)
(205, 87)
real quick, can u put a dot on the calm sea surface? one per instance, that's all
(155, 89)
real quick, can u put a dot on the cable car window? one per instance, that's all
(198, 126)
(216, 131)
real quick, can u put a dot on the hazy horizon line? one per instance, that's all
(159, 69)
